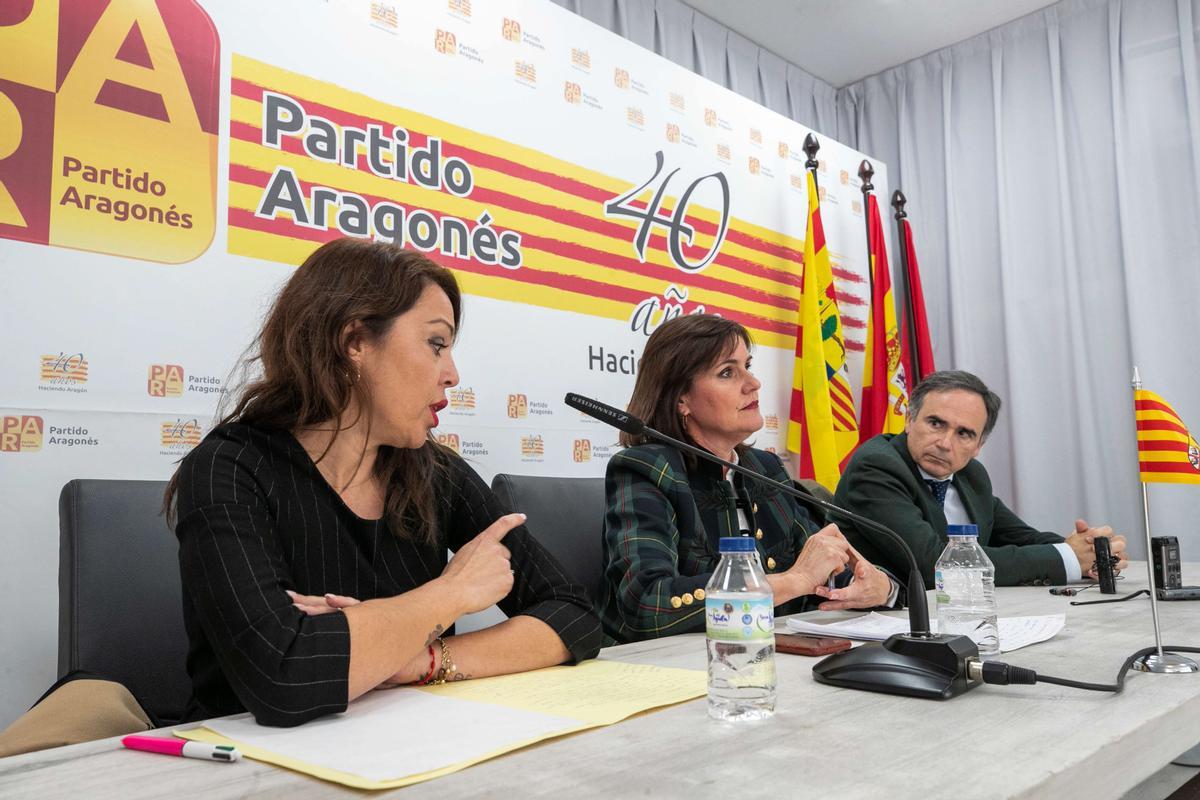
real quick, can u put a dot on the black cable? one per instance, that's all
(1001, 674)
(1111, 600)
(1069, 591)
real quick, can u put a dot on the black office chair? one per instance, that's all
(120, 608)
(567, 516)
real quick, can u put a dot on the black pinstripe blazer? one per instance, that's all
(256, 518)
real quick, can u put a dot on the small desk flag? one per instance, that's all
(1167, 452)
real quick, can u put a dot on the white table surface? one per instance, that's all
(1015, 741)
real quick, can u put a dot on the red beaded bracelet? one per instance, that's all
(428, 676)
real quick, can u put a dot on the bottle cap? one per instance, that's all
(962, 530)
(737, 544)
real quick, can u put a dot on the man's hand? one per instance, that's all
(1082, 543)
(870, 587)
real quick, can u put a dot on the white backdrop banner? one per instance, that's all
(165, 165)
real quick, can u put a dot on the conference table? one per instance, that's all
(994, 741)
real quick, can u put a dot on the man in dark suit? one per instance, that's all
(919, 481)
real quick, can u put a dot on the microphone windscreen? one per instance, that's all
(605, 413)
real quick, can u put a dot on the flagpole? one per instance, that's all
(811, 146)
(1156, 662)
(909, 343)
(865, 173)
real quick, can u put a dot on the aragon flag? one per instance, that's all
(885, 389)
(821, 424)
(916, 341)
(1167, 452)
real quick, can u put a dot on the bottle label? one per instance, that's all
(942, 597)
(738, 619)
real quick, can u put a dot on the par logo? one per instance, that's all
(518, 406)
(510, 30)
(582, 450)
(621, 78)
(783, 150)
(450, 440)
(572, 92)
(21, 434)
(672, 132)
(445, 42)
(165, 380)
(755, 167)
(108, 126)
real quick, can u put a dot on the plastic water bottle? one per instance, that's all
(739, 614)
(966, 590)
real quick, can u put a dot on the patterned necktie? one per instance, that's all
(938, 490)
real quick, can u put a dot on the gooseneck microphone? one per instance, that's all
(916, 664)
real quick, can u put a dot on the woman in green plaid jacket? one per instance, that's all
(667, 510)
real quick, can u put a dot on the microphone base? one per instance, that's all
(933, 667)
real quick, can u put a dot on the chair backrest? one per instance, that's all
(567, 516)
(120, 607)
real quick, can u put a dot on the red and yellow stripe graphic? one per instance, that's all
(65, 368)
(181, 433)
(574, 257)
(1167, 452)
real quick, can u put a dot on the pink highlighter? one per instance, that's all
(181, 747)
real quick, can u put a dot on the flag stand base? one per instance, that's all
(1167, 663)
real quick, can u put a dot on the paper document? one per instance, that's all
(396, 737)
(1015, 632)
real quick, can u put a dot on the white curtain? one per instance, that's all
(681, 34)
(1052, 167)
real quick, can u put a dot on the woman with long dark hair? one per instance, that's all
(314, 521)
(667, 509)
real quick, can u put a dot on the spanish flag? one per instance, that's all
(1167, 453)
(885, 389)
(821, 424)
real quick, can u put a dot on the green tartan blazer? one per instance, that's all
(662, 527)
